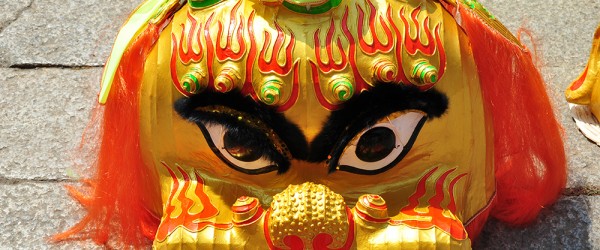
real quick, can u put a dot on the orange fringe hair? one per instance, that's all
(529, 153)
(115, 206)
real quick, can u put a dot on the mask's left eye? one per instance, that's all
(379, 147)
(242, 149)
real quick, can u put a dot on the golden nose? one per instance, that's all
(303, 212)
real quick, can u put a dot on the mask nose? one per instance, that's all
(302, 215)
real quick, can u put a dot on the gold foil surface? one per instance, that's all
(441, 185)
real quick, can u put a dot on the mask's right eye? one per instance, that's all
(243, 149)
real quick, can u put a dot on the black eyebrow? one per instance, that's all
(365, 110)
(289, 133)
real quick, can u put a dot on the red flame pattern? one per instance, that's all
(396, 38)
(248, 88)
(432, 213)
(330, 65)
(224, 53)
(414, 44)
(186, 51)
(377, 45)
(268, 65)
(358, 79)
(193, 222)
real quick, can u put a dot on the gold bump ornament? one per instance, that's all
(424, 73)
(384, 70)
(271, 91)
(341, 87)
(246, 210)
(227, 79)
(372, 208)
(193, 82)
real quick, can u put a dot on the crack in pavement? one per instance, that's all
(53, 66)
(16, 181)
(582, 191)
(17, 16)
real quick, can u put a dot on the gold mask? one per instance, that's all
(310, 124)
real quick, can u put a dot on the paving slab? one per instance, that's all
(562, 33)
(571, 223)
(58, 32)
(42, 115)
(11, 10)
(594, 202)
(36, 211)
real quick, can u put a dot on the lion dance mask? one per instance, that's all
(318, 124)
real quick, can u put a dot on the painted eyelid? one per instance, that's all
(217, 140)
(406, 134)
(405, 125)
(250, 122)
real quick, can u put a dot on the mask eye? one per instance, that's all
(381, 146)
(242, 149)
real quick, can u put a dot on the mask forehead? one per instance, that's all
(279, 56)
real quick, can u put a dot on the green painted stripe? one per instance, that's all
(319, 9)
(197, 4)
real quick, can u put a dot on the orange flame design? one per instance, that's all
(377, 45)
(295, 91)
(266, 65)
(361, 84)
(389, 32)
(433, 214)
(181, 208)
(414, 44)
(227, 52)
(186, 51)
(400, 77)
(330, 65)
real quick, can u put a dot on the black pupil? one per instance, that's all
(375, 144)
(238, 147)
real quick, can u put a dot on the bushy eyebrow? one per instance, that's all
(289, 133)
(365, 110)
(341, 126)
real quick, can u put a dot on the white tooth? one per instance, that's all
(406, 124)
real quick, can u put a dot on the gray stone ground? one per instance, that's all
(51, 54)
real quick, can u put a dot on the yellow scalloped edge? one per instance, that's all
(146, 12)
